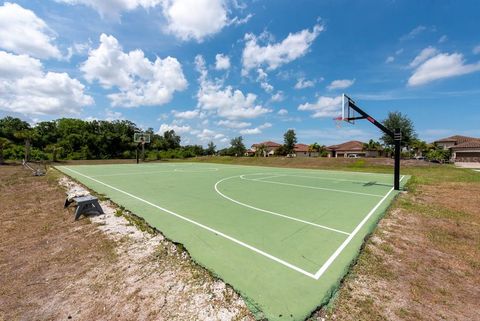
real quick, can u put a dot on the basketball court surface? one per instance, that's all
(283, 238)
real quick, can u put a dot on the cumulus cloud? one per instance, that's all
(324, 107)
(188, 114)
(423, 56)
(282, 112)
(340, 84)
(256, 130)
(208, 18)
(225, 101)
(178, 129)
(140, 81)
(222, 62)
(390, 59)
(443, 65)
(22, 32)
(273, 55)
(476, 50)
(303, 83)
(278, 96)
(112, 8)
(233, 124)
(414, 33)
(208, 135)
(27, 88)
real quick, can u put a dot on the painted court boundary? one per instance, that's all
(315, 276)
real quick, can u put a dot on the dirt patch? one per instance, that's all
(102, 268)
(422, 263)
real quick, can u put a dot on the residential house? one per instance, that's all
(464, 148)
(353, 147)
(302, 150)
(269, 148)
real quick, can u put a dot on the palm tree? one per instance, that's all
(313, 148)
(3, 144)
(372, 146)
(55, 149)
(28, 135)
(261, 150)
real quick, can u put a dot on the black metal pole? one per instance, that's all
(397, 139)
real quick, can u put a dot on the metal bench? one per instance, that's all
(85, 204)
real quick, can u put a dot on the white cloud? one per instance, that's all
(195, 19)
(476, 50)
(324, 107)
(188, 114)
(222, 62)
(112, 8)
(111, 115)
(140, 81)
(207, 135)
(256, 130)
(233, 124)
(443, 39)
(441, 66)
(414, 32)
(278, 96)
(178, 129)
(282, 112)
(225, 101)
(26, 88)
(302, 83)
(274, 55)
(423, 56)
(340, 84)
(263, 80)
(389, 59)
(22, 32)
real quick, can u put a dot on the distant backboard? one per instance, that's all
(348, 113)
(141, 138)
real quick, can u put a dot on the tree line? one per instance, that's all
(69, 138)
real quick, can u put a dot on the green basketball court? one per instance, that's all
(283, 238)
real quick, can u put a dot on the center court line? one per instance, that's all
(271, 257)
(312, 187)
(271, 212)
(332, 258)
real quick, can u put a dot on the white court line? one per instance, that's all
(350, 237)
(313, 177)
(270, 212)
(276, 259)
(131, 173)
(312, 187)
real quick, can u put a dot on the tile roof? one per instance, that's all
(458, 139)
(268, 144)
(353, 145)
(301, 148)
(470, 144)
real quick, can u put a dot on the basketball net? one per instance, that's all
(338, 121)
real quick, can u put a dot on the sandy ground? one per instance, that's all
(97, 268)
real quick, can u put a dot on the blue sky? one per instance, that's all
(214, 69)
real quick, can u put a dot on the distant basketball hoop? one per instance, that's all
(141, 139)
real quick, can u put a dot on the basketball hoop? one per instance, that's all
(338, 121)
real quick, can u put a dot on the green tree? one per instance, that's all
(4, 143)
(171, 139)
(261, 150)
(237, 147)
(211, 148)
(397, 120)
(420, 147)
(10, 125)
(54, 149)
(27, 135)
(289, 141)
